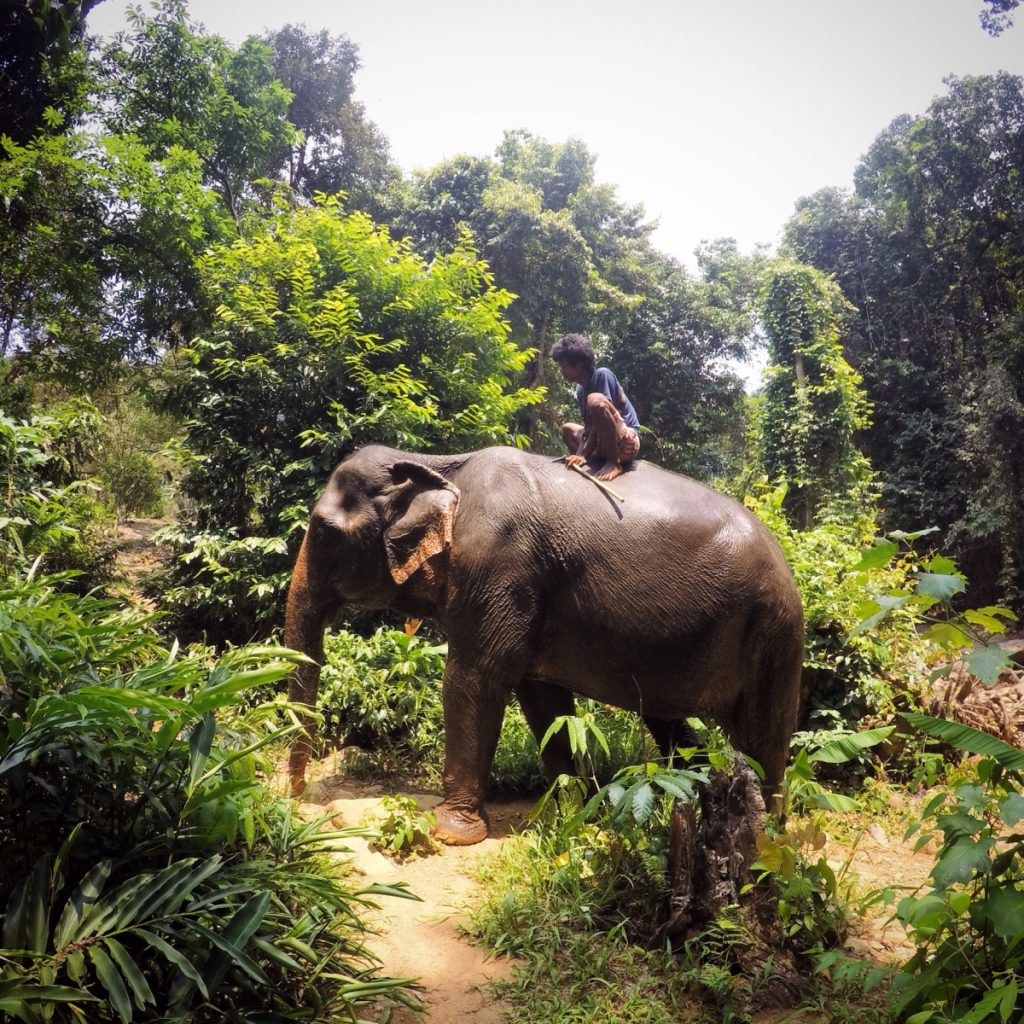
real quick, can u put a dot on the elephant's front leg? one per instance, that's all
(475, 695)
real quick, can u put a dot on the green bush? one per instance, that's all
(146, 872)
(848, 679)
(383, 693)
(50, 513)
(969, 923)
(328, 335)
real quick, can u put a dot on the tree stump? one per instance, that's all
(710, 855)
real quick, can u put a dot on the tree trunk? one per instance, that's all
(709, 871)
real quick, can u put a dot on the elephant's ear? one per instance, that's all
(424, 517)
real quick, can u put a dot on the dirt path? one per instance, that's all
(422, 940)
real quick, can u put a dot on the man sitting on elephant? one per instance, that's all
(610, 430)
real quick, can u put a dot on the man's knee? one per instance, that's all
(599, 405)
(571, 435)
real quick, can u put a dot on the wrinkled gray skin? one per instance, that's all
(677, 602)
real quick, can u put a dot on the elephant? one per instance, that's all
(675, 601)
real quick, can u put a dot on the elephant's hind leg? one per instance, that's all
(670, 734)
(542, 703)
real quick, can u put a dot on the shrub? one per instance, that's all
(50, 514)
(969, 924)
(329, 334)
(145, 870)
(848, 678)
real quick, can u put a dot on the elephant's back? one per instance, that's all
(668, 527)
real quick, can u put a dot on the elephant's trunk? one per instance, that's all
(303, 631)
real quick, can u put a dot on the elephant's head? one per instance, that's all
(384, 519)
(378, 537)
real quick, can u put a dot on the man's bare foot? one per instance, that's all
(609, 471)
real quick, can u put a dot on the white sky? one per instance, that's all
(716, 116)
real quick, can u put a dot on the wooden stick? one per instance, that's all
(597, 483)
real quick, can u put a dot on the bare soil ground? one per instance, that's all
(138, 555)
(422, 940)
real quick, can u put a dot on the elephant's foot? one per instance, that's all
(459, 828)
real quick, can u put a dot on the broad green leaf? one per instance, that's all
(885, 604)
(200, 743)
(877, 556)
(24, 990)
(987, 622)
(643, 802)
(948, 636)
(174, 957)
(237, 933)
(81, 903)
(130, 969)
(1003, 908)
(845, 748)
(237, 955)
(959, 862)
(988, 663)
(917, 534)
(963, 737)
(942, 565)
(942, 586)
(829, 801)
(112, 982)
(1011, 808)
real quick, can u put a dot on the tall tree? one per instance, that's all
(337, 147)
(930, 248)
(172, 86)
(40, 63)
(812, 405)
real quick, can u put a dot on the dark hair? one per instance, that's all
(575, 349)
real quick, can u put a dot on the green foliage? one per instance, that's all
(402, 829)
(926, 598)
(173, 87)
(383, 693)
(813, 405)
(848, 675)
(146, 872)
(578, 258)
(336, 148)
(329, 334)
(929, 250)
(969, 924)
(81, 288)
(48, 513)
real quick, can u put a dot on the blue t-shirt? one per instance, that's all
(604, 381)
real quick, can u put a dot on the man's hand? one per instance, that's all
(575, 460)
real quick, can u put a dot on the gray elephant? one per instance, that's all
(675, 602)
